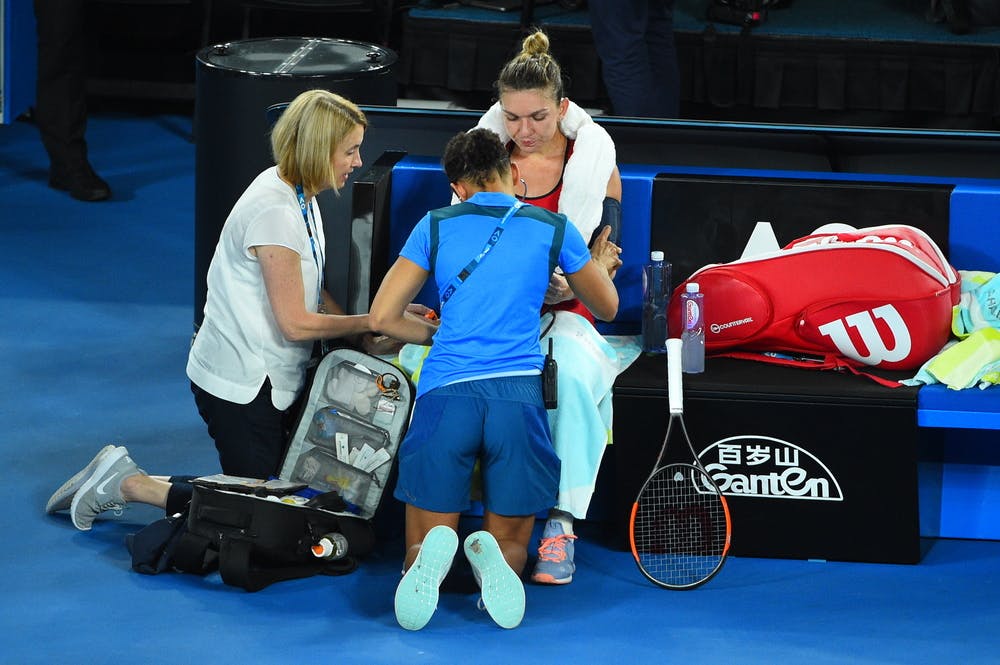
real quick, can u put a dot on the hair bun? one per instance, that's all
(537, 43)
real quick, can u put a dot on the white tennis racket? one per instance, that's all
(680, 528)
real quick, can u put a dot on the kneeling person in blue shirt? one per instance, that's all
(480, 392)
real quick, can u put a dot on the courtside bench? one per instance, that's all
(818, 465)
(882, 469)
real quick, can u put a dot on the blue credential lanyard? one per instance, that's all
(494, 237)
(306, 208)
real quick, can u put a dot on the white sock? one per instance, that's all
(564, 518)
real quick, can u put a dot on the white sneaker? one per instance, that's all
(417, 593)
(503, 592)
(102, 489)
(63, 497)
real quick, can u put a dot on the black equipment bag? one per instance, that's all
(262, 538)
(338, 464)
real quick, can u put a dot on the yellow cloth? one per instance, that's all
(965, 364)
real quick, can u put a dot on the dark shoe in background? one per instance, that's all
(80, 181)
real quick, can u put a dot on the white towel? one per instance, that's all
(581, 426)
(585, 179)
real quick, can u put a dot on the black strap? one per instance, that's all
(195, 554)
(238, 569)
(552, 322)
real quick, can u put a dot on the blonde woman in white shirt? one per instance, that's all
(266, 307)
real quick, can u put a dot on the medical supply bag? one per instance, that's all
(316, 517)
(353, 420)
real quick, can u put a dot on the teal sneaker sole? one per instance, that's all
(503, 592)
(417, 593)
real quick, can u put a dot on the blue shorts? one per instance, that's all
(500, 421)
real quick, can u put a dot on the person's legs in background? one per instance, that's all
(619, 36)
(61, 98)
(664, 102)
(634, 39)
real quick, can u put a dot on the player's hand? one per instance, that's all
(606, 253)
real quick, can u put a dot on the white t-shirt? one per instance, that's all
(239, 343)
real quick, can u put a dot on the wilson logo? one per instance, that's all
(864, 323)
(769, 468)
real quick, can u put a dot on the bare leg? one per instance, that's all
(513, 535)
(141, 488)
(418, 523)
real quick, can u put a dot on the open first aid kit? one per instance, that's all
(316, 517)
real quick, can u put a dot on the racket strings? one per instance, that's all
(680, 531)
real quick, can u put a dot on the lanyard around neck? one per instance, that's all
(306, 209)
(494, 237)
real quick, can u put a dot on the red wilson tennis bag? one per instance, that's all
(879, 296)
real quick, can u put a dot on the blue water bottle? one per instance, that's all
(693, 335)
(655, 296)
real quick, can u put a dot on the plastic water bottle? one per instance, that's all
(331, 546)
(655, 296)
(693, 335)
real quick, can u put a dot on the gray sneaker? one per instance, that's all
(102, 490)
(63, 497)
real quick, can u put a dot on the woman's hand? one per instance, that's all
(379, 345)
(605, 253)
(558, 291)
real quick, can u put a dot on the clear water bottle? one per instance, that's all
(331, 546)
(655, 296)
(693, 335)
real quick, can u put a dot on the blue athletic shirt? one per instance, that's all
(489, 327)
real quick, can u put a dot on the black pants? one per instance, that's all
(635, 41)
(179, 495)
(251, 439)
(61, 95)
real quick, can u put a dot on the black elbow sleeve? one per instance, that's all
(611, 215)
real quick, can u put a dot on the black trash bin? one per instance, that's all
(235, 83)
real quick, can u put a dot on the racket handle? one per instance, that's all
(675, 385)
